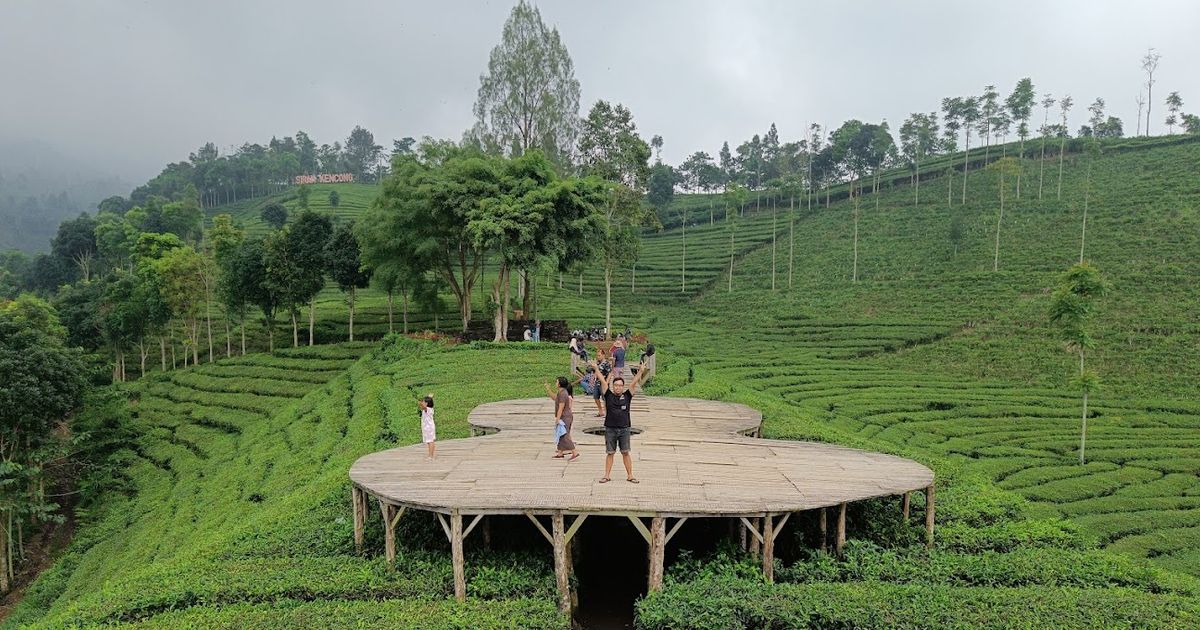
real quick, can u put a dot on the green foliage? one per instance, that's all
(275, 215)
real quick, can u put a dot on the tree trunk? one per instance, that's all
(633, 279)
(607, 302)
(242, 326)
(1042, 166)
(271, 337)
(498, 301)
(966, 152)
(228, 339)
(791, 237)
(683, 259)
(351, 313)
(1083, 421)
(295, 331)
(405, 312)
(711, 219)
(731, 261)
(208, 326)
(312, 317)
(195, 339)
(580, 283)
(162, 350)
(1062, 149)
(389, 303)
(999, 219)
(1087, 189)
(774, 231)
(1021, 164)
(855, 279)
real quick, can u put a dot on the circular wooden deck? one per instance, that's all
(695, 458)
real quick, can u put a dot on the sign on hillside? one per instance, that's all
(324, 178)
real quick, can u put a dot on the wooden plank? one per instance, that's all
(445, 527)
(768, 548)
(456, 556)
(575, 526)
(358, 506)
(929, 517)
(751, 528)
(474, 522)
(389, 534)
(399, 513)
(637, 522)
(905, 505)
(560, 563)
(841, 529)
(679, 523)
(779, 526)
(538, 525)
(824, 530)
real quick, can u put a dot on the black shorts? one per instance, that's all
(616, 437)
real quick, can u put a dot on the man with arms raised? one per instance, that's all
(617, 401)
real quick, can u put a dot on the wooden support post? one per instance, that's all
(487, 533)
(841, 529)
(824, 530)
(456, 553)
(743, 541)
(755, 543)
(768, 547)
(359, 506)
(389, 533)
(929, 516)
(560, 562)
(658, 543)
(907, 502)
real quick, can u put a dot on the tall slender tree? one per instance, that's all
(1150, 66)
(1141, 105)
(1047, 103)
(1071, 308)
(343, 256)
(529, 97)
(1064, 107)
(1020, 108)
(1174, 104)
(970, 116)
(989, 109)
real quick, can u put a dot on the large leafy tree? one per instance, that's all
(43, 382)
(75, 245)
(529, 97)
(345, 266)
(610, 149)
(421, 218)
(918, 139)
(533, 216)
(361, 153)
(306, 239)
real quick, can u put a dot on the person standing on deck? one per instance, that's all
(563, 418)
(617, 402)
(618, 355)
(428, 428)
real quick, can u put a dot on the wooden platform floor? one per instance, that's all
(691, 457)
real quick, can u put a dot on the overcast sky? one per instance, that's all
(129, 86)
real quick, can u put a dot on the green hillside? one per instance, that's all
(241, 514)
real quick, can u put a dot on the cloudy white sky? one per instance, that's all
(129, 86)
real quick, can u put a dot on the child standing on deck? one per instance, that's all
(428, 429)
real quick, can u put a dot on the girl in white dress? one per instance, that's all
(428, 429)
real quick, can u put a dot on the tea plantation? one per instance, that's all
(240, 513)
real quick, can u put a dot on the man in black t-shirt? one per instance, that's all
(617, 401)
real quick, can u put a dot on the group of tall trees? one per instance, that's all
(255, 170)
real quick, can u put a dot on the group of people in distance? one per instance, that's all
(610, 383)
(605, 379)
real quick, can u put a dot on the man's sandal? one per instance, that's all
(632, 480)
(605, 480)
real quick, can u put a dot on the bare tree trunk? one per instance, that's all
(228, 339)
(791, 237)
(1083, 420)
(144, 352)
(312, 317)
(1042, 166)
(406, 312)
(607, 302)
(1021, 165)
(633, 279)
(731, 261)
(208, 326)
(999, 219)
(683, 259)
(774, 221)
(295, 330)
(966, 164)
(1087, 189)
(352, 296)
(855, 278)
(242, 326)
(498, 300)
(389, 303)
(1062, 149)
(580, 283)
